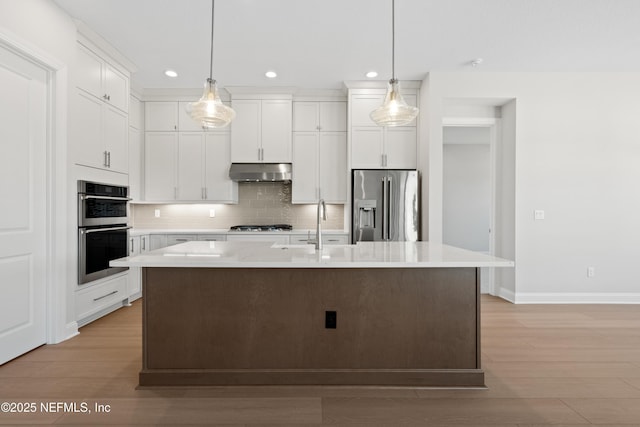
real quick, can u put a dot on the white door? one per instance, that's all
(23, 234)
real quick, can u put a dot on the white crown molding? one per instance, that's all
(381, 84)
(86, 34)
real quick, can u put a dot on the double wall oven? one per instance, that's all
(103, 229)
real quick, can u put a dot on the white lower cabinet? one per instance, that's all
(97, 300)
(327, 239)
(157, 241)
(262, 237)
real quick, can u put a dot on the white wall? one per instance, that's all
(40, 28)
(577, 151)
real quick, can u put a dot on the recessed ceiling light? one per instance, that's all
(372, 74)
(271, 74)
(170, 73)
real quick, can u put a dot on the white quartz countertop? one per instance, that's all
(270, 255)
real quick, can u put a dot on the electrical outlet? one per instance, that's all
(538, 214)
(591, 271)
(212, 213)
(156, 213)
(330, 319)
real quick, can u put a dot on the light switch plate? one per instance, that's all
(212, 213)
(156, 213)
(538, 214)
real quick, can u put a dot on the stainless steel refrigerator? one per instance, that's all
(385, 205)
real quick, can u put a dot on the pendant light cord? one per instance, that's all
(211, 56)
(393, 39)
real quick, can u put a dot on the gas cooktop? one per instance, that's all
(268, 227)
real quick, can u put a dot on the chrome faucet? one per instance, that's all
(318, 241)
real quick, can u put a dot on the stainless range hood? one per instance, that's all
(260, 172)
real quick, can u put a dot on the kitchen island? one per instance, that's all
(251, 313)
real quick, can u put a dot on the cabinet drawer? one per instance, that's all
(335, 239)
(212, 237)
(98, 297)
(174, 239)
(263, 237)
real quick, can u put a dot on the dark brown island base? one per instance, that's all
(374, 314)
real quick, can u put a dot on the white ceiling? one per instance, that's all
(321, 43)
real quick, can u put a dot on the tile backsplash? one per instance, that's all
(258, 203)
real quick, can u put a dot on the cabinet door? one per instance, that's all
(190, 166)
(144, 244)
(276, 131)
(135, 164)
(116, 136)
(366, 147)
(89, 71)
(306, 116)
(304, 182)
(245, 132)
(333, 116)
(161, 116)
(333, 166)
(86, 131)
(400, 147)
(362, 106)
(157, 241)
(116, 87)
(218, 186)
(185, 122)
(161, 150)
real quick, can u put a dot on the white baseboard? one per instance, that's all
(71, 330)
(575, 298)
(506, 294)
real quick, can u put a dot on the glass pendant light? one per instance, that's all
(394, 111)
(209, 110)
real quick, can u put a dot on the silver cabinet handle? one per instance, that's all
(143, 243)
(108, 159)
(182, 240)
(175, 192)
(132, 246)
(104, 296)
(104, 162)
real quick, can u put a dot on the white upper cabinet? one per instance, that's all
(161, 116)
(160, 171)
(99, 130)
(101, 79)
(320, 116)
(188, 166)
(363, 104)
(319, 152)
(375, 147)
(185, 122)
(383, 148)
(261, 131)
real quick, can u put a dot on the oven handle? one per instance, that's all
(97, 230)
(87, 197)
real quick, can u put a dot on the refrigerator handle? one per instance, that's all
(384, 208)
(389, 198)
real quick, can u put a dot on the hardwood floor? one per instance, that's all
(561, 365)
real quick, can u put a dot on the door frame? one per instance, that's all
(58, 294)
(494, 131)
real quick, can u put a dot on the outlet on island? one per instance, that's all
(330, 319)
